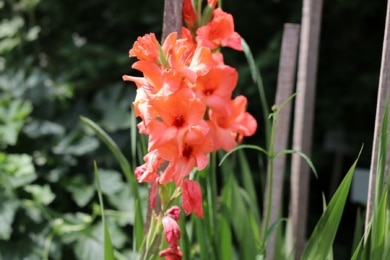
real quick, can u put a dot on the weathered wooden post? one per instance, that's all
(383, 93)
(172, 19)
(303, 123)
(285, 87)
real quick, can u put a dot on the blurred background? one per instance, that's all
(62, 59)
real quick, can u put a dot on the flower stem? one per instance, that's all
(154, 231)
(271, 157)
(212, 190)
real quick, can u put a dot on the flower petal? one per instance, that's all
(192, 198)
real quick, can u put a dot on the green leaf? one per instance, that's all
(22, 248)
(8, 206)
(33, 33)
(359, 229)
(115, 111)
(89, 244)
(9, 28)
(225, 242)
(185, 244)
(108, 249)
(16, 170)
(126, 206)
(274, 226)
(39, 128)
(41, 194)
(12, 119)
(8, 33)
(320, 243)
(205, 250)
(379, 229)
(76, 145)
(236, 208)
(382, 156)
(248, 183)
(81, 196)
(72, 223)
(111, 180)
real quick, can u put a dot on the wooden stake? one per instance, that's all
(383, 93)
(303, 123)
(285, 86)
(172, 20)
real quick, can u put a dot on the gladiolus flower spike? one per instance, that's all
(184, 100)
(185, 105)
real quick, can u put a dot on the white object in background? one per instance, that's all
(360, 186)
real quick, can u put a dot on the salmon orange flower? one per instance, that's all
(187, 35)
(186, 58)
(148, 171)
(219, 32)
(200, 63)
(196, 147)
(189, 15)
(143, 110)
(216, 87)
(145, 48)
(156, 80)
(176, 115)
(227, 131)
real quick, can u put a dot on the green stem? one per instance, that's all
(271, 156)
(198, 7)
(257, 79)
(47, 244)
(212, 198)
(154, 230)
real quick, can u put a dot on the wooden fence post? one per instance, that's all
(383, 93)
(172, 19)
(285, 87)
(303, 123)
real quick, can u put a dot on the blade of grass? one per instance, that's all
(225, 242)
(211, 196)
(359, 229)
(205, 248)
(248, 183)
(123, 162)
(133, 137)
(382, 156)
(239, 215)
(378, 220)
(304, 156)
(138, 226)
(256, 77)
(378, 229)
(243, 146)
(185, 245)
(108, 249)
(321, 240)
